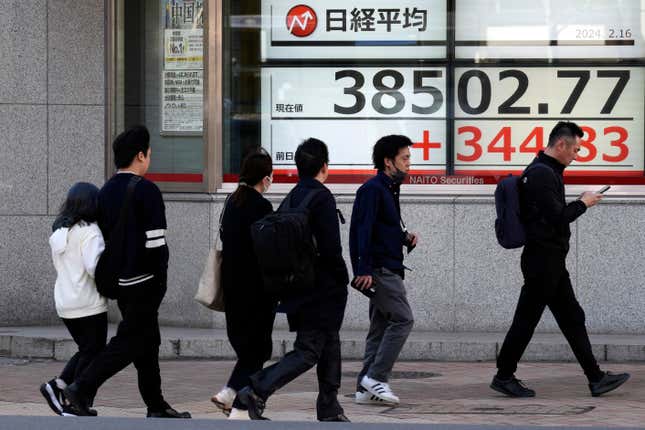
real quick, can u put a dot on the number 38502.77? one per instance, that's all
(391, 92)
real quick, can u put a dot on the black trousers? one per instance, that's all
(320, 348)
(546, 283)
(249, 330)
(136, 341)
(90, 334)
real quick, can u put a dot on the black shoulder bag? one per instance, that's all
(108, 267)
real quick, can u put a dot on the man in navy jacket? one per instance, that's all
(316, 314)
(376, 239)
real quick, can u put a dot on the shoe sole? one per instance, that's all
(508, 393)
(226, 409)
(375, 403)
(373, 400)
(610, 387)
(52, 401)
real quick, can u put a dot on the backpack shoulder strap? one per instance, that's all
(127, 201)
(535, 166)
(308, 198)
(123, 214)
(287, 203)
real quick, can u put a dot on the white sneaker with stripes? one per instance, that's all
(367, 398)
(380, 389)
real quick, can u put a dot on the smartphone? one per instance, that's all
(603, 189)
(369, 292)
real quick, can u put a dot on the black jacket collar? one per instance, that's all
(552, 162)
(310, 183)
(388, 182)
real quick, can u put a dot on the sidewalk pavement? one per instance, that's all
(431, 392)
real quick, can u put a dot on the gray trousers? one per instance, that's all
(390, 324)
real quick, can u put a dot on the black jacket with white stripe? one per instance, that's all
(145, 254)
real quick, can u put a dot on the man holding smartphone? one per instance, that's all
(546, 217)
(376, 239)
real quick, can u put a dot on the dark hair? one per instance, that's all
(81, 204)
(255, 167)
(564, 129)
(388, 147)
(128, 144)
(311, 156)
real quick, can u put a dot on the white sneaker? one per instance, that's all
(367, 398)
(224, 399)
(380, 389)
(239, 414)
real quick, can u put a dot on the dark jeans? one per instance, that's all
(90, 334)
(136, 341)
(249, 331)
(546, 283)
(318, 348)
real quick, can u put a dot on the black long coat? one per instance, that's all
(241, 279)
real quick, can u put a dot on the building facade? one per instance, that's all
(477, 85)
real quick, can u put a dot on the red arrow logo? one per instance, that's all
(301, 20)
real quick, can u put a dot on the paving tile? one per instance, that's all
(460, 394)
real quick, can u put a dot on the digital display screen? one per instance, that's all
(480, 105)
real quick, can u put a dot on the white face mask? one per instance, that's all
(266, 183)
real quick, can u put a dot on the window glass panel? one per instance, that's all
(504, 116)
(160, 79)
(320, 69)
(477, 89)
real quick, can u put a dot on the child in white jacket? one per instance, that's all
(76, 245)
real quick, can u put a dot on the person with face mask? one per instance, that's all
(250, 311)
(376, 239)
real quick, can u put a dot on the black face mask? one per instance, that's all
(399, 176)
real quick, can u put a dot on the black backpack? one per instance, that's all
(285, 248)
(508, 225)
(108, 267)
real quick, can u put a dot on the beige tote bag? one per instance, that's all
(210, 292)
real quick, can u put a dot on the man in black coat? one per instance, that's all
(142, 280)
(317, 314)
(546, 217)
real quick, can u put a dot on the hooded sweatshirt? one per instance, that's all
(75, 252)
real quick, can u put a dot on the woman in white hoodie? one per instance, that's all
(76, 245)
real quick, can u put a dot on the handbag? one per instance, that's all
(209, 290)
(108, 268)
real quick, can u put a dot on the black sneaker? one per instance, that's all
(253, 402)
(512, 387)
(337, 418)
(70, 411)
(169, 412)
(610, 381)
(77, 401)
(53, 395)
